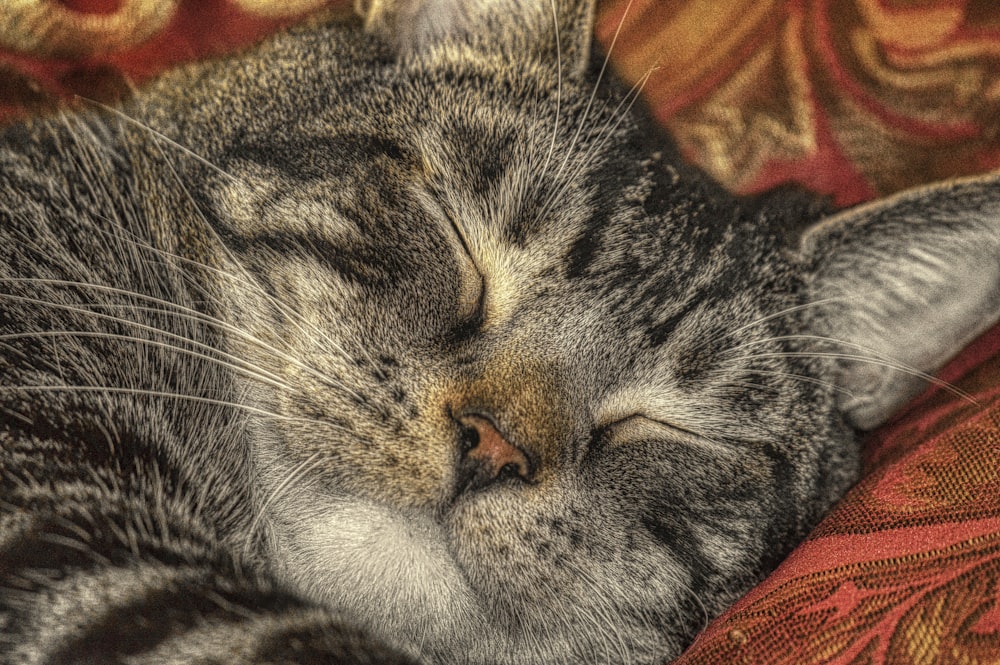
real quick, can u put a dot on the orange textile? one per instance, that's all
(852, 98)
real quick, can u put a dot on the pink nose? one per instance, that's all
(488, 456)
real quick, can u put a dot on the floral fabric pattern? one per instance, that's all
(853, 98)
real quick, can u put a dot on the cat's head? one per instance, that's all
(528, 389)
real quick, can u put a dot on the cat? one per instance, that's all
(410, 339)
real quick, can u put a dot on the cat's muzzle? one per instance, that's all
(488, 456)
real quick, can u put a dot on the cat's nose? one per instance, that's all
(488, 456)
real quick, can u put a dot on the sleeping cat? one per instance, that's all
(412, 342)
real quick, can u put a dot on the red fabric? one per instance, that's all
(906, 569)
(89, 62)
(853, 98)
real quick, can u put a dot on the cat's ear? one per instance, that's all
(903, 284)
(556, 29)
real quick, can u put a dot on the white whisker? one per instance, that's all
(606, 133)
(559, 86)
(248, 281)
(299, 471)
(793, 376)
(593, 93)
(243, 368)
(197, 399)
(878, 361)
(141, 326)
(187, 151)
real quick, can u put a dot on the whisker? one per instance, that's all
(197, 399)
(166, 306)
(878, 361)
(593, 93)
(775, 315)
(158, 136)
(141, 326)
(747, 384)
(117, 319)
(871, 353)
(247, 280)
(187, 151)
(243, 368)
(606, 132)
(297, 472)
(619, 115)
(796, 377)
(559, 86)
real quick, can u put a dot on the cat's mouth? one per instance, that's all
(495, 540)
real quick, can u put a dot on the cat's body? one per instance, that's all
(439, 347)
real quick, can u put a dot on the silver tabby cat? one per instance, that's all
(412, 341)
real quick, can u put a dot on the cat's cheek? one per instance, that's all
(384, 566)
(526, 545)
(554, 558)
(409, 468)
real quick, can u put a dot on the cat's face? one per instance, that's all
(532, 403)
(527, 392)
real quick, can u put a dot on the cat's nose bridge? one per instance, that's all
(519, 413)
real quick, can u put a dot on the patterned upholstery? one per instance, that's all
(906, 569)
(853, 98)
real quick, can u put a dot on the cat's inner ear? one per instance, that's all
(557, 30)
(902, 285)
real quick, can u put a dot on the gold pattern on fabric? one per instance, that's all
(852, 97)
(923, 608)
(278, 8)
(944, 70)
(761, 114)
(49, 28)
(682, 43)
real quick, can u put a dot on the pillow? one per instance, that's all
(906, 568)
(852, 98)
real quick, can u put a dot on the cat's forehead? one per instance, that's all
(490, 164)
(547, 180)
(517, 177)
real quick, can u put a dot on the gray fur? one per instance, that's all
(240, 317)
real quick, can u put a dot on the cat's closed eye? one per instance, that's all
(473, 290)
(641, 427)
(472, 285)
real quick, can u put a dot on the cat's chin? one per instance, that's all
(395, 573)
